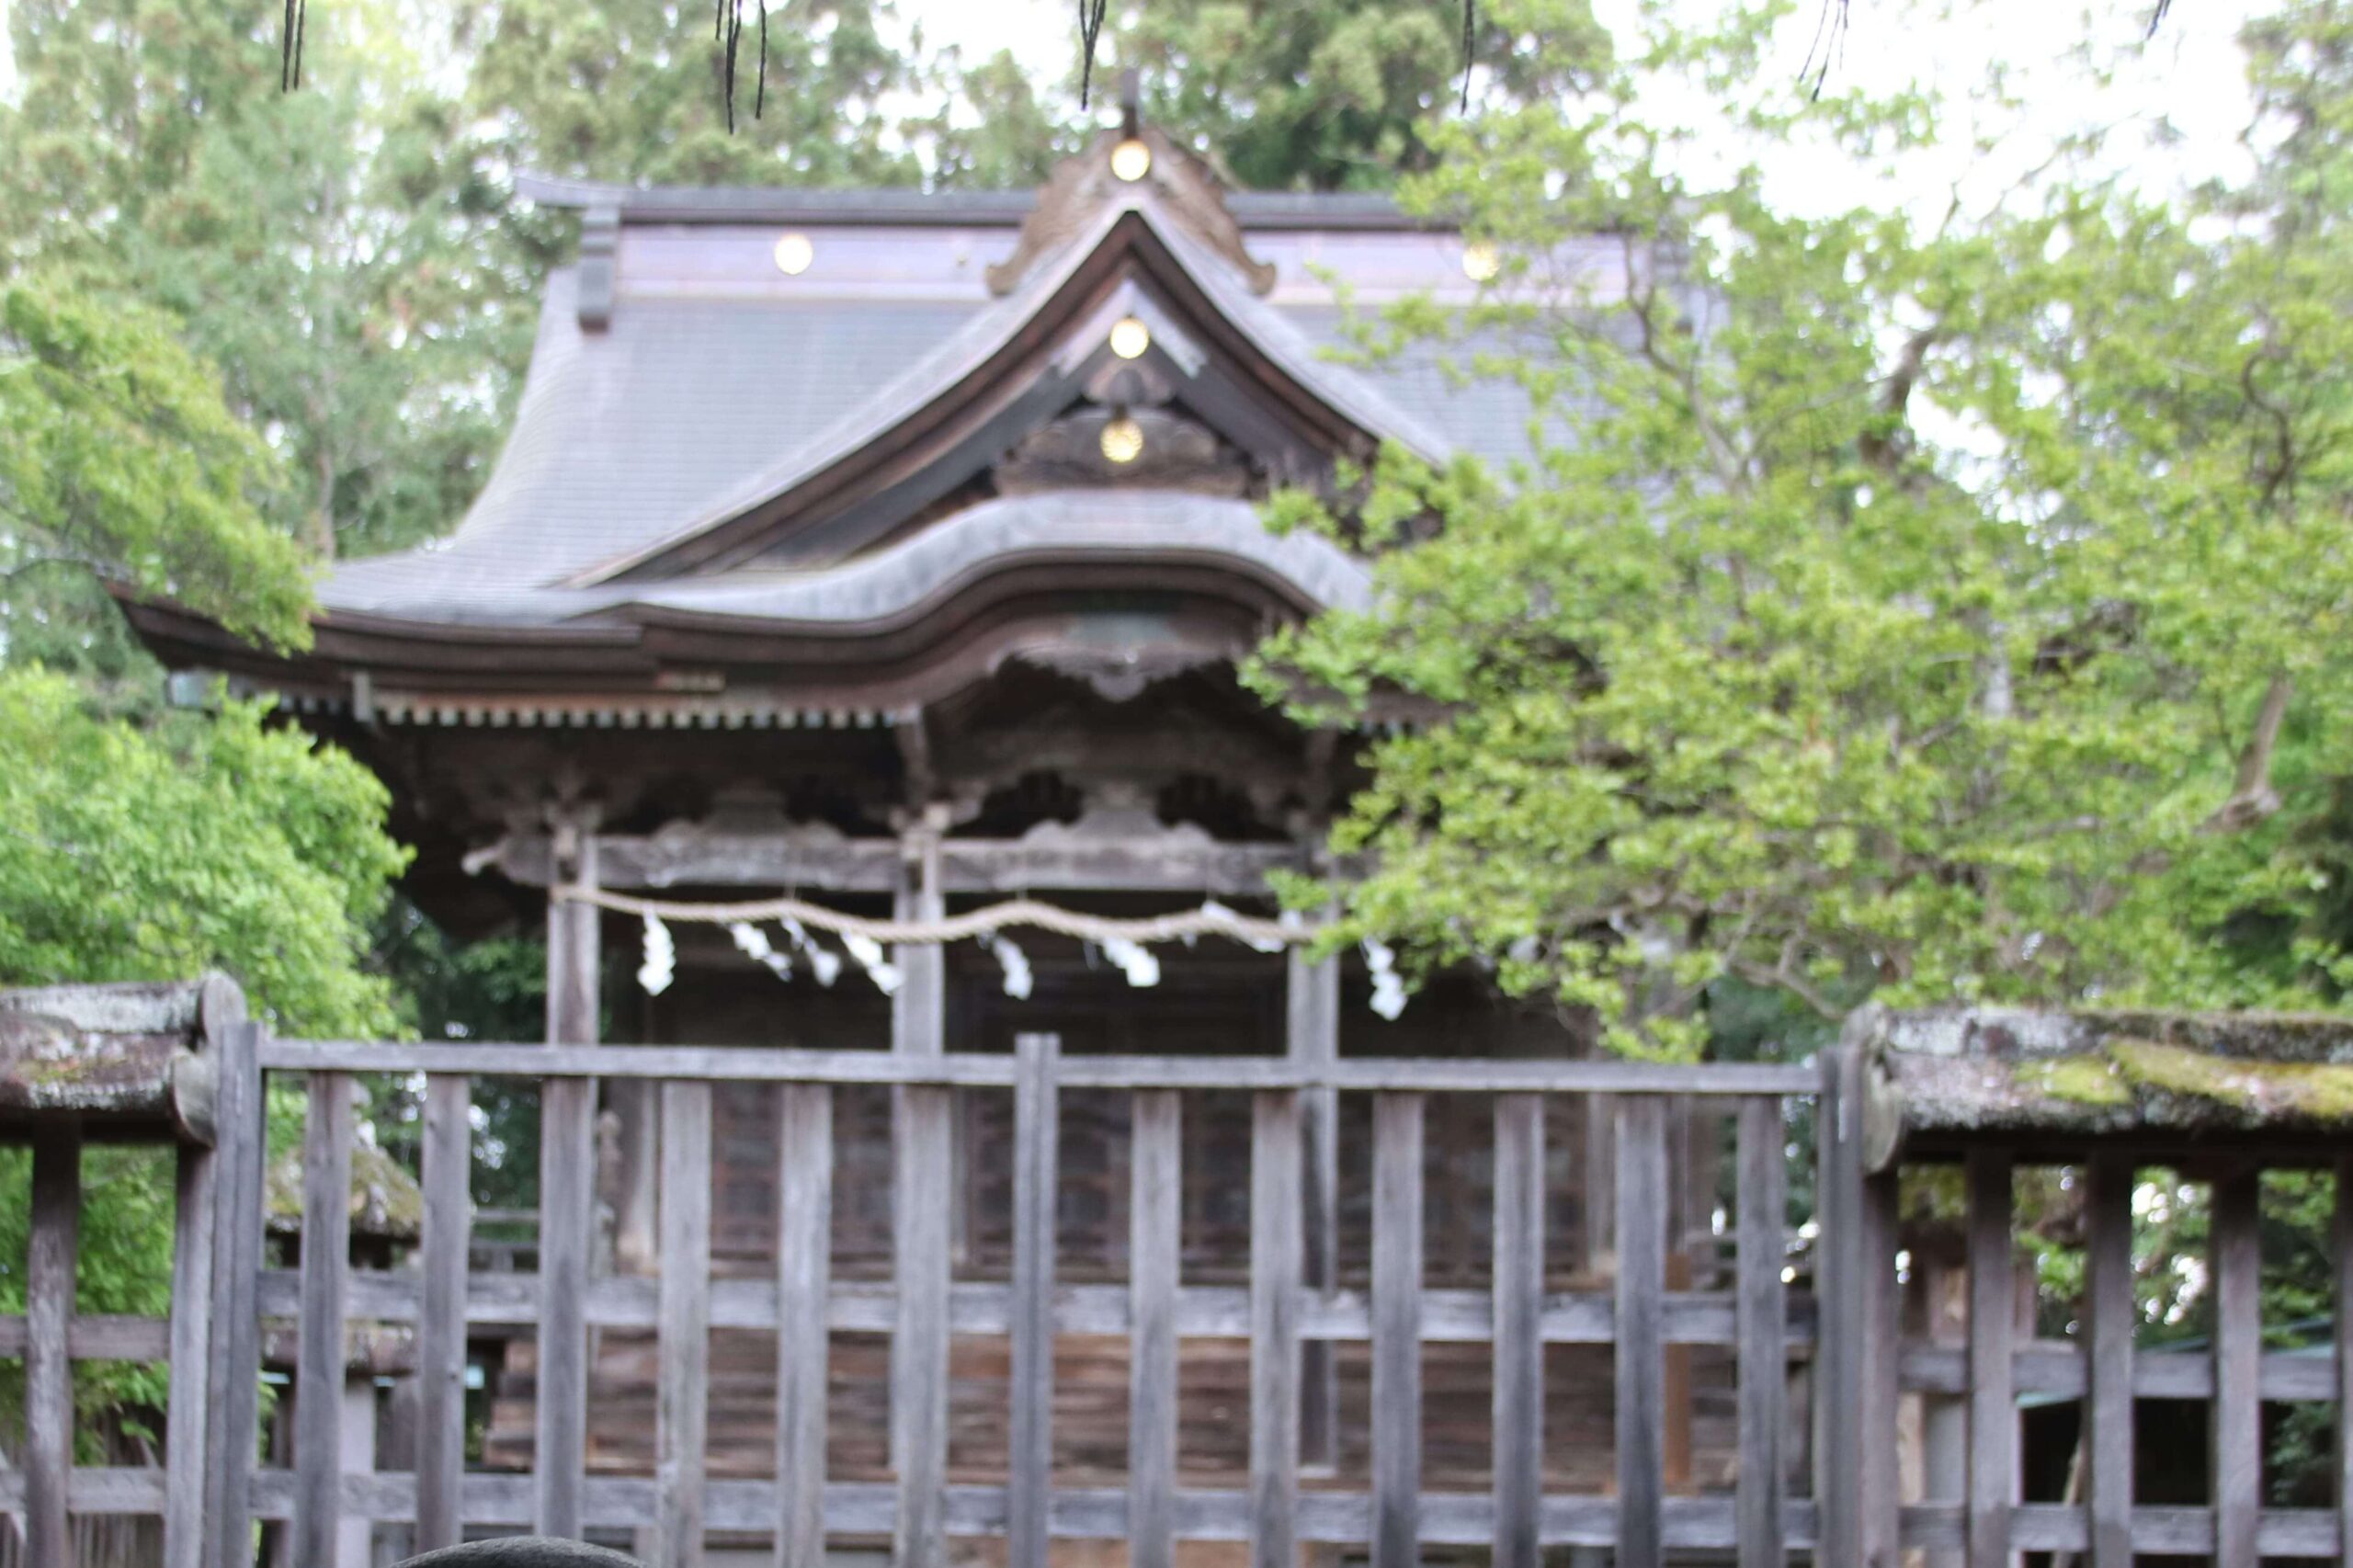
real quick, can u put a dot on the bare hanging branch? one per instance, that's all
(290, 48)
(1090, 29)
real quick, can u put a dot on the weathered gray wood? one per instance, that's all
(1993, 1406)
(2342, 1231)
(233, 1381)
(2236, 1424)
(919, 1338)
(327, 1132)
(120, 1088)
(1881, 1493)
(1156, 1190)
(1276, 1203)
(918, 1009)
(1341, 1519)
(99, 1336)
(1312, 1041)
(49, 1261)
(567, 1183)
(761, 1064)
(2142, 1090)
(1029, 1459)
(1838, 1384)
(1397, 1122)
(2059, 1368)
(1597, 1185)
(441, 1333)
(575, 959)
(567, 1195)
(809, 859)
(1641, 1349)
(922, 1206)
(804, 1280)
(1519, 1311)
(681, 1412)
(1764, 1354)
(2110, 1313)
(187, 1420)
(1449, 1315)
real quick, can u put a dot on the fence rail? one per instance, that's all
(1843, 1502)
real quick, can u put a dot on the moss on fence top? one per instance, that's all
(1950, 1075)
(386, 1202)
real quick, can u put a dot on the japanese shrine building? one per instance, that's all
(899, 551)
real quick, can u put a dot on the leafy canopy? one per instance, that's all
(1945, 607)
(122, 458)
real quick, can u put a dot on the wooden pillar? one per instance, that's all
(567, 1190)
(922, 1194)
(918, 1010)
(1313, 1038)
(49, 1370)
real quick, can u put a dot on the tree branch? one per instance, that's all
(2253, 799)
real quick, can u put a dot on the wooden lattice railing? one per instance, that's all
(1846, 1505)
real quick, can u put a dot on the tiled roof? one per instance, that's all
(717, 377)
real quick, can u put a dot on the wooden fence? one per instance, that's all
(1845, 1507)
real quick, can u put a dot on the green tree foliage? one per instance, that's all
(1343, 95)
(160, 850)
(618, 90)
(122, 459)
(332, 251)
(1886, 605)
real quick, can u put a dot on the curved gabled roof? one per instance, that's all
(885, 589)
(719, 386)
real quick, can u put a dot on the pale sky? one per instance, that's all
(2190, 73)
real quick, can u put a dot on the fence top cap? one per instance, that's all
(522, 1551)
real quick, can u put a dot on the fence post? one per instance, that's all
(319, 1351)
(49, 1368)
(234, 1376)
(1840, 1287)
(1029, 1459)
(188, 1417)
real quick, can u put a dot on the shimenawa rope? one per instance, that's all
(1208, 920)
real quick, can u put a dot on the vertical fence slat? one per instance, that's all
(919, 1342)
(1155, 1212)
(1764, 1336)
(235, 1377)
(1837, 1391)
(1029, 1461)
(1881, 1327)
(319, 1356)
(1313, 1037)
(50, 1265)
(567, 1182)
(441, 1326)
(187, 1418)
(567, 1192)
(1641, 1333)
(1275, 1283)
(2237, 1422)
(2343, 1252)
(682, 1401)
(1992, 1409)
(1396, 1329)
(805, 1278)
(2110, 1314)
(1518, 1345)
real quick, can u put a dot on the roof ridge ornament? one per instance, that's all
(1130, 167)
